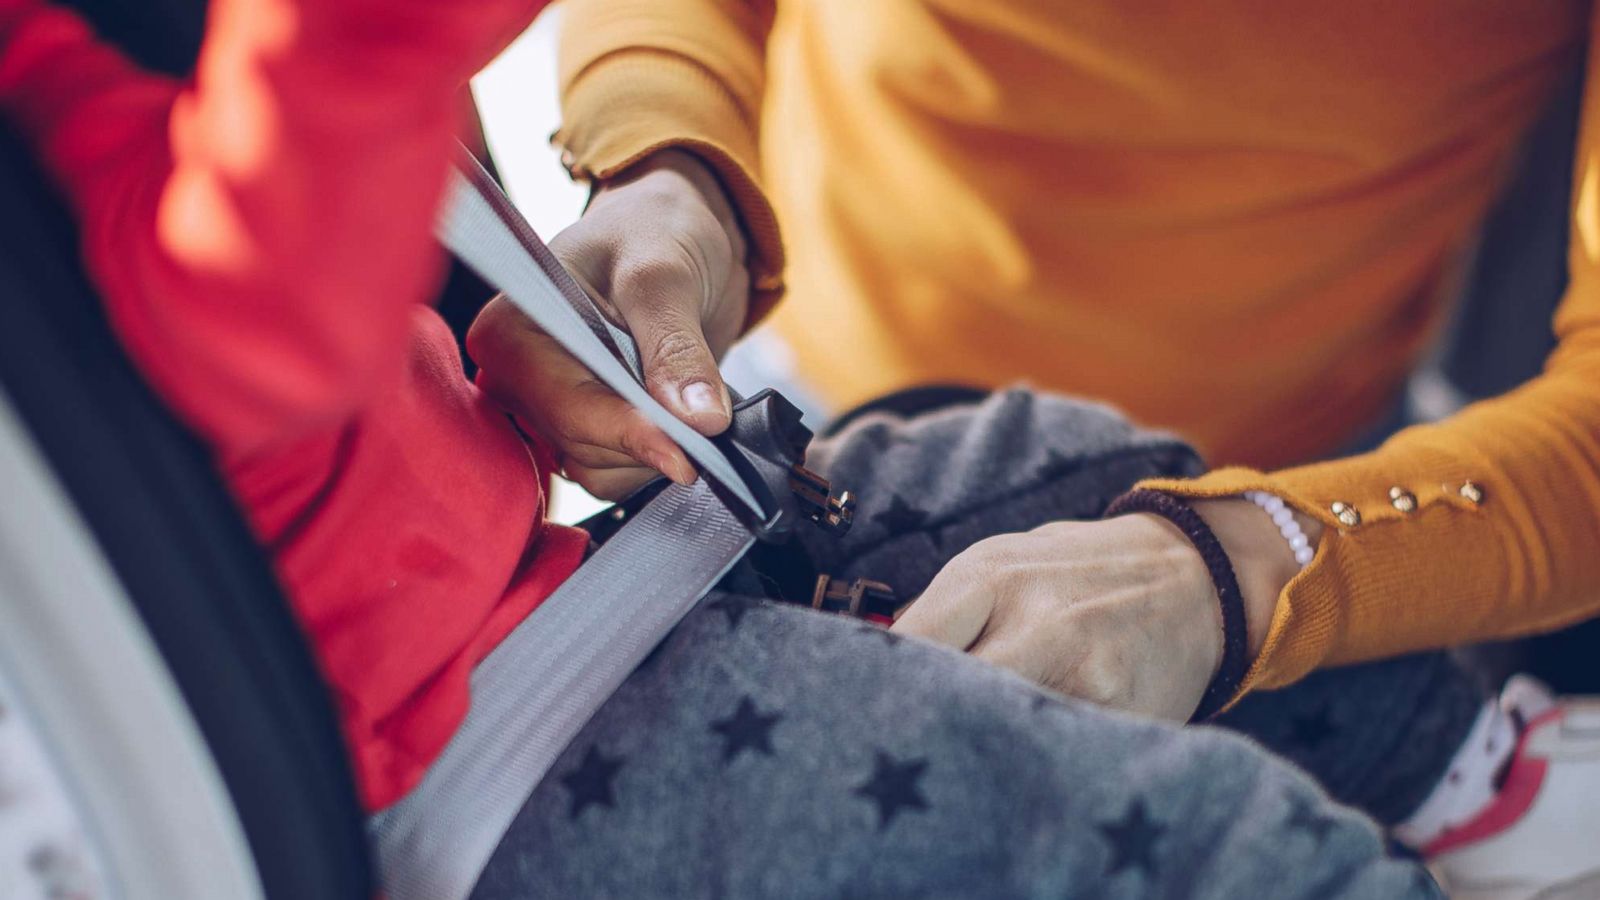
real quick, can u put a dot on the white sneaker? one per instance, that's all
(1539, 837)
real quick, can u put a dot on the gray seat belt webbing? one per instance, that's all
(485, 231)
(533, 694)
(535, 691)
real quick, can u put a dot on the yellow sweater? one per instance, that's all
(1235, 220)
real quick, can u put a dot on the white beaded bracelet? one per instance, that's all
(1283, 517)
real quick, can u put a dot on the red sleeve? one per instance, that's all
(260, 234)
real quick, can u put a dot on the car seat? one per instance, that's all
(146, 651)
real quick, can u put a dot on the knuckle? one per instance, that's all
(976, 554)
(1101, 677)
(653, 277)
(992, 557)
(569, 426)
(677, 348)
(575, 244)
(632, 439)
(626, 443)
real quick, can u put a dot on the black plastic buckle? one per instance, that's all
(767, 445)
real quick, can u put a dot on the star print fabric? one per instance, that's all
(787, 753)
(1377, 736)
(765, 750)
(931, 485)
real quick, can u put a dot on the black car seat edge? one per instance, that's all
(150, 495)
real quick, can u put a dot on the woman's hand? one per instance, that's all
(663, 247)
(1120, 612)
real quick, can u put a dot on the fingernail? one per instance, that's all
(700, 397)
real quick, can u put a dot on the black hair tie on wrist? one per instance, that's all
(1235, 642)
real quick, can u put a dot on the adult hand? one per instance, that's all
(662, 246)
(1120, 612)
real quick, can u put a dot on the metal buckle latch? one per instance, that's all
(862, 598)
(767, 445)
(815, 497)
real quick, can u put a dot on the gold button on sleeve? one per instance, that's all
(1345, 513)
(1402, 499)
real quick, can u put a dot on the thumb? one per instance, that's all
(662, 311)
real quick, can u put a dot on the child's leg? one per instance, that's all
(769, 751)
(1377, 736)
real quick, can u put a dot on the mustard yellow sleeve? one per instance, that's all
(641, 75)
(1493, 529)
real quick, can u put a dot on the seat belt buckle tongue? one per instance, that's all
(817, 502)
(767, 445)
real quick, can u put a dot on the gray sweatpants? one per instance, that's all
(764, 750)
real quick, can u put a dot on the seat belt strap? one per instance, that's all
(535, 691)
(538, 689)
(482, 228)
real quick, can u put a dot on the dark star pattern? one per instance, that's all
(1058, 464)
(1132, 840)
(746, 729)
(733, 608)
(893, 787)
(883, 439)
(1305, 817)
(903, 518)
(1311, 730)
(590, 783)
(882, 632)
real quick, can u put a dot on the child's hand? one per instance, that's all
(663, 246)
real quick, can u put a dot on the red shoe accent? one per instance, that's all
(1516, 796)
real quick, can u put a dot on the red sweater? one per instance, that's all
(262, 239)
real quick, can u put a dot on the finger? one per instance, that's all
(604, 473)
(591, 457)
(1019, 655)
(599, 430)
(559, 398)
(947, 613)
(660, 297)
(609, 483)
